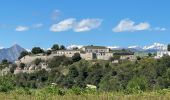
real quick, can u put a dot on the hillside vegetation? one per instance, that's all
(145, 78)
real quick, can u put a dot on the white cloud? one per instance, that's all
(71, 23)
(87, 25)
(22, 28)
(129, 25)
(63, 25)
(39, 25)
(160, 29)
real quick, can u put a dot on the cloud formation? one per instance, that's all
(63, 25)
(76, 26)
(127, 25)
(87, 25)
(160, 29)
(21, 28)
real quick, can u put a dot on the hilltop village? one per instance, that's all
(26, 61)
(91, 66)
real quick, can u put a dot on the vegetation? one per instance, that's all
(168, 47)
(55, 47)
(69, 77)
(23, 54)
(37, 50)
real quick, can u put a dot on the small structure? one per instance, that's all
(160, 54)
(67, 53)
(128, 57)
(95, 49)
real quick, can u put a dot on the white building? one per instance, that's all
(160, 54)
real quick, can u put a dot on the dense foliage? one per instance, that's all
(145, 74)
(37, 50)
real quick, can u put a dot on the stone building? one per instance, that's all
(95, 49)
(67, 53)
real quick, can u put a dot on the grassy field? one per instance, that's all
(158, 95)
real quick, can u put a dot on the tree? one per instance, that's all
(37, 50)
(168, 47)
(23, 54)
(62, 47)
(76, 57)
(22, 65)
(137, 84)
(48, 52)
(149, 54)
(55, 47)
(37, 61)
(4, 61)
(6, 83)
(110, 83)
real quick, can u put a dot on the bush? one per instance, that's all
(55, 90)
(37, 61)
(6, 83)
(77, 90)
(76, 57)
(137, 85)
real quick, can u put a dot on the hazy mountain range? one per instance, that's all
(12, 53)
(150, 48)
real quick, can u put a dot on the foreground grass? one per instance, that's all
(157, 95)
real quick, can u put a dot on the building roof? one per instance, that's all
(95, 47)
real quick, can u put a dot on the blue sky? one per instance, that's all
(99, 22)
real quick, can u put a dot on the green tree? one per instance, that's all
(110, 83)
(37, 61)
(149, 54)
(55, 47)
(23, 54)
(37, 50)
(137, 84)
(62, 47)
(22, 65)
(76, 57)
(168, 47)
(48, 52)
(6, 83)
(4, 61)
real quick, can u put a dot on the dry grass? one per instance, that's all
(104, 96)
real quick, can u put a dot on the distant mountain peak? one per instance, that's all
(11, 53)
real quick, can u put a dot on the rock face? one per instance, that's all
(12, 53)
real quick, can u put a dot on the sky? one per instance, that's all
(43, 23)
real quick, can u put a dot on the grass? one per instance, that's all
(156, 95)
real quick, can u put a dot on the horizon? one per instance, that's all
(116, 47)
(106, 23)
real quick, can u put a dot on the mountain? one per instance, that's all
(151, 48)
(12, 53)
(74, 46)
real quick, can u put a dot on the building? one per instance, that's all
(160, 54)
(95, 49)
(128, 57)
(104, 56)
(67, 53)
